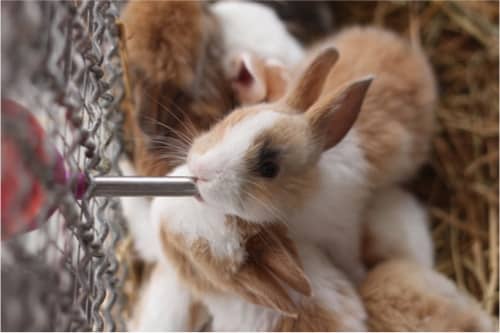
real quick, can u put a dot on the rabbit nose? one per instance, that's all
(199, 171)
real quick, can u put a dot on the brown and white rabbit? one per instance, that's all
(174, 51)
(401, 295)
(308, 159)
(259, 51)
(251, 276)
(262, 153)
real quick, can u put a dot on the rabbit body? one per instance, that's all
(401, 295)
(389, 141)
(335, 305)
(206, 249)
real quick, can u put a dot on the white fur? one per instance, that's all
(195, 220)
(249, 26)
(331, 217)
(220, 165)
(330, 287)
(233, 313)
(137, 213)
(152, 312)
(163, 303)
(399, 227)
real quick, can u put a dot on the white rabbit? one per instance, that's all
(259, 50)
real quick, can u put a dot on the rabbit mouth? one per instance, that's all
(198, 197)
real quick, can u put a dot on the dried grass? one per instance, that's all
(460, 186)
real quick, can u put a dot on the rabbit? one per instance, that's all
(257, 56)
(177, 88)
(250, 276)
(396, 226)
(177, 84)
(173, 51)
(308, 159)
(402, 295)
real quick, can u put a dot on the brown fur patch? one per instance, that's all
(404, 296)
(399, 103)
(174, 50)
(198, 316)
(312, 318)
(175, 248)
(271, 257)
(370, 258)
(295, 181)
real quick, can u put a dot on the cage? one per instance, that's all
(60, 64)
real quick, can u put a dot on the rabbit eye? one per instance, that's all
(268, 169)
(267, 165)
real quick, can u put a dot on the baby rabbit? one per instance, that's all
(308, 160)
(178, 86)
(401, 295)
(250, 276)
(259, 50)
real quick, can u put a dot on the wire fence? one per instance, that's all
(60, 61)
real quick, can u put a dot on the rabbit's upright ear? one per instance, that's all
(333, 115)
(308, 88)
(247, 74)
(256, 80)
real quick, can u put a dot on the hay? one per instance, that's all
(460, 186)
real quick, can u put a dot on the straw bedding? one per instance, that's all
(460, 184)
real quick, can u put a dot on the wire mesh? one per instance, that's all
(60, 61)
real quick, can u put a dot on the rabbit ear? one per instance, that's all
(272, 261)
(333, 115)
(248, 78)
(310, 84)
(276, 253)
(277, 80)
(260, 287)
